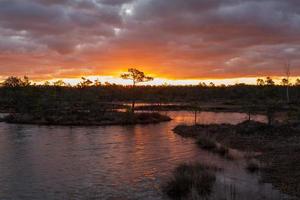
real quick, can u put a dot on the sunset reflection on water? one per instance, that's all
(128, 162)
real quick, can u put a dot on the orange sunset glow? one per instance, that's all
(178, 42)
(149, 99)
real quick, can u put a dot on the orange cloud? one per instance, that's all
(172, 39)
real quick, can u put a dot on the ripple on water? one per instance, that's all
(113, 162)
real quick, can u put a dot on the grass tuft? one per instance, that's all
(190, 179)
(211, 145)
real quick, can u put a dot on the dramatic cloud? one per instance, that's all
(170, 38)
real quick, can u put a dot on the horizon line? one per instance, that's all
(164, 81)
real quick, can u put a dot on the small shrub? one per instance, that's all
(211, 145)
(189, 179)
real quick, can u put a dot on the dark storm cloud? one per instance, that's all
(59, 26)
(227, 34)
(115, 2)
(188, 39)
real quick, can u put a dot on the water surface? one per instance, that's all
(112, 162)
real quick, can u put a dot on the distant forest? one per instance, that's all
(21, 95)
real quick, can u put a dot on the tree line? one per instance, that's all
(21, 95)
(14, 81)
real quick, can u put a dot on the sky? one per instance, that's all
(175, 40)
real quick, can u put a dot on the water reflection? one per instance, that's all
(212, 117)
(113, 162)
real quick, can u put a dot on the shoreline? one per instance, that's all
(282, 111)
(113, 119)
(278, 147)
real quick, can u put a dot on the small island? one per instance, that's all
(87, 118)
(84, 109)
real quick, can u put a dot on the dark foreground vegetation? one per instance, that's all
(191, 181)
(278, 148)
(91, 103)
(21, 96)
(61, 104)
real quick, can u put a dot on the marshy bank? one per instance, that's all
(191, 181)
(277, 147)
(216, 106)
(87, 118)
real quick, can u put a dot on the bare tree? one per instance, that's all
(269, 81)
(26, 81)
(297, 82)
(46, 83)
(97, 83)
(196, 109)
(136, 77)
(287, 68)
(260, 82)
(13, 82)
(84, 83)
(59, 83)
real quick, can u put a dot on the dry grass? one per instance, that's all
(190, 180)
